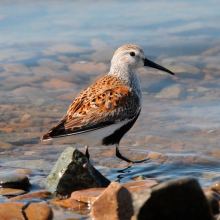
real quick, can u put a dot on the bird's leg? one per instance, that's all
(118, 154)
(87, 152)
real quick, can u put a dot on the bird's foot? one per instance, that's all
(118, 154)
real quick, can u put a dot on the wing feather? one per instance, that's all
(98, 106)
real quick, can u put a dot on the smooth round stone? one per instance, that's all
(11, 192)
(216, 187)
(213, 199)
(14, 180)
(17, 68)
(41, 194)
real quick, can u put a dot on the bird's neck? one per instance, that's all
(128, 76)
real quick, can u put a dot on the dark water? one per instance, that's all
(51, 51)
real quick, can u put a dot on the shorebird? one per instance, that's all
(105, 111)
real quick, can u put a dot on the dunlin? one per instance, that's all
(105, 111)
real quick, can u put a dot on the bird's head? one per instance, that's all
(132, 57)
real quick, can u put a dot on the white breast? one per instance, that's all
(95, 137)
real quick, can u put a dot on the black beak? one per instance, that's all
(156, 66)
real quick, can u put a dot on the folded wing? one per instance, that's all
(99, 106)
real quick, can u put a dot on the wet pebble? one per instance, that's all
(87, 195)
(69, 203)
(29, 92)
(33, 211)
(42, 194)
(114, 203)
(90, 195)
(17, 68)
(213, 200)
(14, 180)
(52, 64)
(215, 187)
(136, 186)
(11, 192)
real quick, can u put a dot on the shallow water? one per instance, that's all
(51, 51)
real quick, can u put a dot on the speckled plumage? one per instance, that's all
(105, 111)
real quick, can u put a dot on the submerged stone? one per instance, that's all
(74, 172)
(38, 195)
(180, 199)
(90, 195)
(14, 180)
(213, 200)
(11, 192)
(216, 187)
(33, 211)
(69, 203)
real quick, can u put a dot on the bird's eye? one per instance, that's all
(132, 54)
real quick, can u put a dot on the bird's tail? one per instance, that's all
(46, 137)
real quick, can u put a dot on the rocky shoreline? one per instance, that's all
(74, 184)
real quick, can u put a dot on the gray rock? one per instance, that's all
(181, 199)
(73, 172)
(14, 180)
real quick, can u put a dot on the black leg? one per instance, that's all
(87, 152)
(23, 210)
(118, 154)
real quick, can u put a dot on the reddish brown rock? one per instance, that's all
(11, 192)
(87, 195)
(154, 155)
(69, 203)
(216, 187)
(90, 195)
(139, 185)
(114, 203)
(42, 194)
(33, 211)
(213, 200)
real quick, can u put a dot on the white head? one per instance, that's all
(128, 58)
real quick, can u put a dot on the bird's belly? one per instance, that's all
(95, 137)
